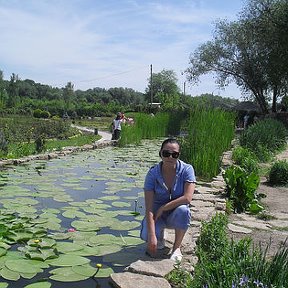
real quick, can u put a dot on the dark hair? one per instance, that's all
(169, 140)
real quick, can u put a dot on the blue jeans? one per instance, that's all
(179, 218)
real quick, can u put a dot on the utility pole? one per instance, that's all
(151, 89)
(184, 91)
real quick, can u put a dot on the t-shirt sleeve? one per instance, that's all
(189, 175)
(149, 182)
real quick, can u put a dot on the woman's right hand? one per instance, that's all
(152, 245)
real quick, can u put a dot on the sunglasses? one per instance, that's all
(166, 153)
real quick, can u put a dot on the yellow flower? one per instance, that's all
(36, 241)
(99, 265)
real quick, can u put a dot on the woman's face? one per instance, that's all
(170, 153)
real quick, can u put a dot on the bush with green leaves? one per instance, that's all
(268, 135)
(3, 144)
(241, 189)
(229, 264)
(246, 159)
(278, 175)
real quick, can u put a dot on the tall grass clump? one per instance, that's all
(210, 133)
(150, 127)
(264, 138)
(224, 263)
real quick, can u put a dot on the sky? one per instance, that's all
(109, 43)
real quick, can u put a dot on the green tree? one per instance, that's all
(164, 89)
(68, 95)
(3, 93)
(13, 91)
(249, 52)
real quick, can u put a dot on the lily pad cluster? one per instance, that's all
(53, 223)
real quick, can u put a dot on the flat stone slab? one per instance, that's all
(133, 280)
(157, 268)
(253, 224)
(279, 223)
(238, 229)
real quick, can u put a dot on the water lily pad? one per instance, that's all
(104, 272)
(109, 198)
(9, 274)
(60, 236)
(3, 251)
(73, 214)
(85, 270)
(3, 285)
(68, 260)
(28, 275)
(66, 274)
(85, 226)
(41, 284)
(22, 266)
(120, 204)
(67, 247)
(105, 239)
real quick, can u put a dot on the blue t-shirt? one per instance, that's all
(154, 181)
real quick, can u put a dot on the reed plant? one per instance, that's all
(210, 133)
(150, 126)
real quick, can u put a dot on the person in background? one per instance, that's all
(246, 120)
(116, 126)
(168, 190)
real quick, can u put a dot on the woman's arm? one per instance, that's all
(189, 188)
(152, 239)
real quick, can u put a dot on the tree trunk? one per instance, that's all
(274, 101)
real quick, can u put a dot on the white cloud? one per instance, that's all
(101, 43)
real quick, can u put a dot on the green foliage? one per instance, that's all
(179, 277)
(3, 144)
(146, 127)
(213, 241)
(241, 189)
(28, 136)
(246, 159)
(266, 135)
(278, 174)
(210, 132)
(236, 265)
(40, 144)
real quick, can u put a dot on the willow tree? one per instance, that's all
(250, 52)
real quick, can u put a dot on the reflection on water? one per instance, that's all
(112, 176)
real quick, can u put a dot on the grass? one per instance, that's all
(210, 133)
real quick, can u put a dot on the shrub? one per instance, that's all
(45, 114)
(246, 159)
(241, 189)
(3, 144)
(37, 113)
(268, 134)
(278, 174)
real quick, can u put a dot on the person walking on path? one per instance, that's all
(116, 126)
(168, 190)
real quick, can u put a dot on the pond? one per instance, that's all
(63, 220)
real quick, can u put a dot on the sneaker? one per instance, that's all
(176, 256)
(161, 244)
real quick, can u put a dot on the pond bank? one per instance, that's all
(101, 143)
